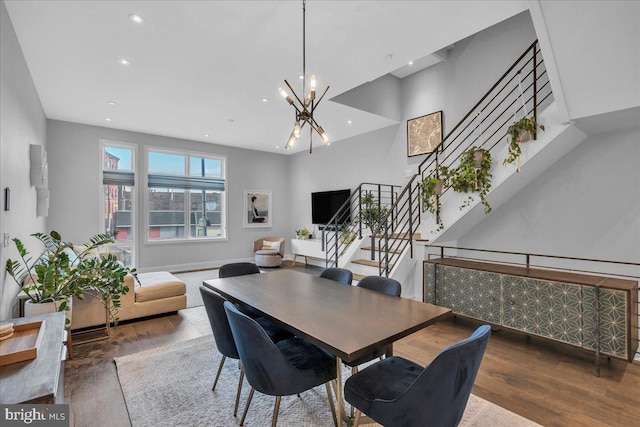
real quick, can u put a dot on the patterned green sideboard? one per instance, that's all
(550, 304)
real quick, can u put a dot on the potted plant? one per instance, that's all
(302, 234)
(519, 132)
(431, 189)
(347, 236)
(471, 176)
(370, 214)
(64, 271)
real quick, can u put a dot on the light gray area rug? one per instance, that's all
(171, 386)
(193, 280)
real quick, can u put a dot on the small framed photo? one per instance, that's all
(257, 209)
(424, 134)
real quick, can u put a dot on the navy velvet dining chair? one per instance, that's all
(237, 269)
(337, 274)
(213, 304)
(385, 285)
(397, 392)
(279, 369)
(240, 269)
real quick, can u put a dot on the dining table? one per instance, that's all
(346, 321)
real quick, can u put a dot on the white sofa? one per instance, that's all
(158, 292)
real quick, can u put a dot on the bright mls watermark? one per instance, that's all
(35, 415)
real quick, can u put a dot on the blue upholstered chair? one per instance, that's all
(384, 285)
(238, 269)
(213, 304)
(337, 274)
(278, 369)
(397, 392)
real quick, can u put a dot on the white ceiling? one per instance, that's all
(203, 67)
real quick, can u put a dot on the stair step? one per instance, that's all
(416, 236)
(369, 263)
(358, 277)
(393, 251)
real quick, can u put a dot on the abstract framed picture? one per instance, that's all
(257, 208)
(424, 134)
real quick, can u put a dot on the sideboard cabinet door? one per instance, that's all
(544, 308)
(613, 320)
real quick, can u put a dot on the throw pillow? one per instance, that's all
(275, 245)
(266, 244)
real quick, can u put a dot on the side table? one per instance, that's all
(40, 380)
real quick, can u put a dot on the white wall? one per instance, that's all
(596, 46)
(452, 86)
(74, 175)
(22, 122)
(344, 164)
(586, 205)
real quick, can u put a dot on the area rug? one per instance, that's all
(171, 386)
(193, 280)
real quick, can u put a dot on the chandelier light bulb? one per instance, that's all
(313, 87)
(285, 95)
(296, 130)
(290, 142)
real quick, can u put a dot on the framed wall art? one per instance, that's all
(424, 134)
(257, 209)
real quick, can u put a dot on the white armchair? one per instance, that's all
(269, 251)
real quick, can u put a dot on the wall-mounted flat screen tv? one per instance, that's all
(325, 204)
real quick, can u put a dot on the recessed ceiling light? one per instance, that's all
(136, 18)
(112, 102)
(123, 61)
(300, 76)
(349, 122)
(265, 99)
(410, 62)
(108, 119)
(206, 135)
(277, 146)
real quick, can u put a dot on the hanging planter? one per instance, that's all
(467, 178)
(431, 190)
(477, 159)
(520, 132)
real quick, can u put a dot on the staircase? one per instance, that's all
(388, 249)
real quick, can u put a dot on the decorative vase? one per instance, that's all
(477, 159)
(524, 136)
(35, 309)
(437, 188)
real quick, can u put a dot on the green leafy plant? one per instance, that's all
(472, 176)
(517, 132)
(370, 213)
(431, 188)
(303, 233)
(346, 234)
(62, 272)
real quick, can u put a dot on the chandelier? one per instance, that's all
(305, 105)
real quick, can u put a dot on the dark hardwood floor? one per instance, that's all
(550, 384)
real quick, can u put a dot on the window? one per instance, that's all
(118, 181)
(186, 196)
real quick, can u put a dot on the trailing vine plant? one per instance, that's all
(431, 189)
(520, 132)
(472, 176)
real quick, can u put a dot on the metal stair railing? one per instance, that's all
(337, 236)
(484, 126)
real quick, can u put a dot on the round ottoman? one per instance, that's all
(268, 258)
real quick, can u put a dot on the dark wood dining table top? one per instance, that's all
(347, 321)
